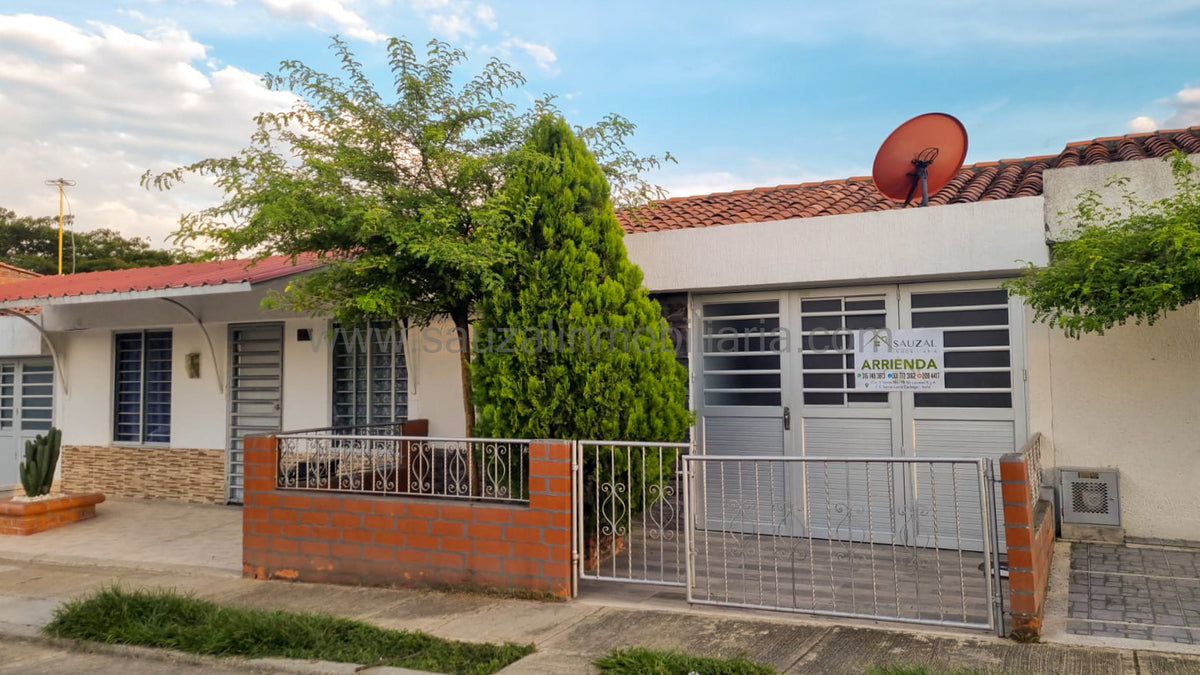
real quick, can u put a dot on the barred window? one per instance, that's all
(370, 375)
(142, 409)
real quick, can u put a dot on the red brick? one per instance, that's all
(407, 555)
(391, 507)
(560, 520)
(421, 541)
(1018, 515)
(254, 543)
(493, 515)
(514, 533)
(314, 548)
(285, 516)
(526, 550)
(455, 544)
(450, 560)
(254, 513)
(457, 512)
(345, 550)
(550, 502)
(379, 522)
(493, 547)
(345, 520)
(558, 451)
(1020, 558)
(560, 537)
(270, 499)
(1017, 536)
(327, 533)
(314, 518)
(560, 486)
(537, 484)
(480, 531)
(531, 518)
(445, 529)
(1023, 603)
(268, 528)
(1020, 581)
(419, 510)
(483, 563)
(379, 553)
(1012, 470)
(324, 503)
(281, 545)
(357, 535)
(556, 570)
(357, 505)
(1015, 493)
(531, 568)
(297, 501)
(413, 526)
(389, 538)
(298, 531)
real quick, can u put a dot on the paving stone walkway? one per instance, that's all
(1135, 592)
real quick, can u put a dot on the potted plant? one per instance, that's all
(40, 510)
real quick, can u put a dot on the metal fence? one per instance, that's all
(899, 539)
(630, 511)
(493, 469)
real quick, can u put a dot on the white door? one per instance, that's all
(739, 363)
(26, 410)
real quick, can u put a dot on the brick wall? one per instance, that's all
(9, 273)
(1029, 532)
(196, 476)
(331, 537)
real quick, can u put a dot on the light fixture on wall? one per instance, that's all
(191, 364)
(303, 335)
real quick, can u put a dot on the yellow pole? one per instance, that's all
(60, 226)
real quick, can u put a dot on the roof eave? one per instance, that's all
(119, 296)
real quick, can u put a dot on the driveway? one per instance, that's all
(145, 534)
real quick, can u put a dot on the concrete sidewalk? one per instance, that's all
(570, 635)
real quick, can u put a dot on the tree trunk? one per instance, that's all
(462, 325)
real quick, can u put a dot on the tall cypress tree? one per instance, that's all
(570, 344)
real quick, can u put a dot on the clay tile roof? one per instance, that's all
(984, 181)
(185, 275)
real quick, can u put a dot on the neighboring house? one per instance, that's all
(23, 371)
(816, 259)
(161, 371)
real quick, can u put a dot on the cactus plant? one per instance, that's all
(41, 456)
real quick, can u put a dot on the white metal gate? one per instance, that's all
(255, 394)
(830, 536)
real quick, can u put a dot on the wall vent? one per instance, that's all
(1089, 496)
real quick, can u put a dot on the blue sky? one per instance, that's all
(744, 94)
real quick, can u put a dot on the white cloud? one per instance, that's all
(542, 55)
(1185, 112)
(100, 105)
(318, 13)
(486, 16)
(455, 19)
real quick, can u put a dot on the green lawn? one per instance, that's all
(640, 661)
(171, 621)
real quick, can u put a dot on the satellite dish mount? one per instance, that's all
(907, 158)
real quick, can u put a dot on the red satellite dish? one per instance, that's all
(925, 151)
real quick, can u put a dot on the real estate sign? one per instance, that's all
(899, 360)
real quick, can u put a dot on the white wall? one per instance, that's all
(18, 338)
(307, 384)
(435, 380)
(1130, 400)
(1150, 179)
(984, 239)
(85, 413)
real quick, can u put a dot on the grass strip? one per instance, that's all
(171, 621)
(641, 661)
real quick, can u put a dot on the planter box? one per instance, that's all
(33, 517)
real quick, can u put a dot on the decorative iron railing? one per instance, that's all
(491, 469)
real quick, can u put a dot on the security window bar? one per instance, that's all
(742, 353)
(828, 329)
(978, 347)
(142, 412)
(8, 375)
(370, 375)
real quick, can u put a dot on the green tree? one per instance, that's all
(32, 243)
(571, 345)
(396, 194)
(1132, 262)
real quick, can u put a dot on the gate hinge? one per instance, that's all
(1025, 374)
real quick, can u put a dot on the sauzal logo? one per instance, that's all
(879, 341)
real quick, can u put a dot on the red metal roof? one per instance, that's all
(185, 275)
(979, 182)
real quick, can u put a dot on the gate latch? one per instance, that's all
(787, 418)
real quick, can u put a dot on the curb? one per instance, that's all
(262, 665)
